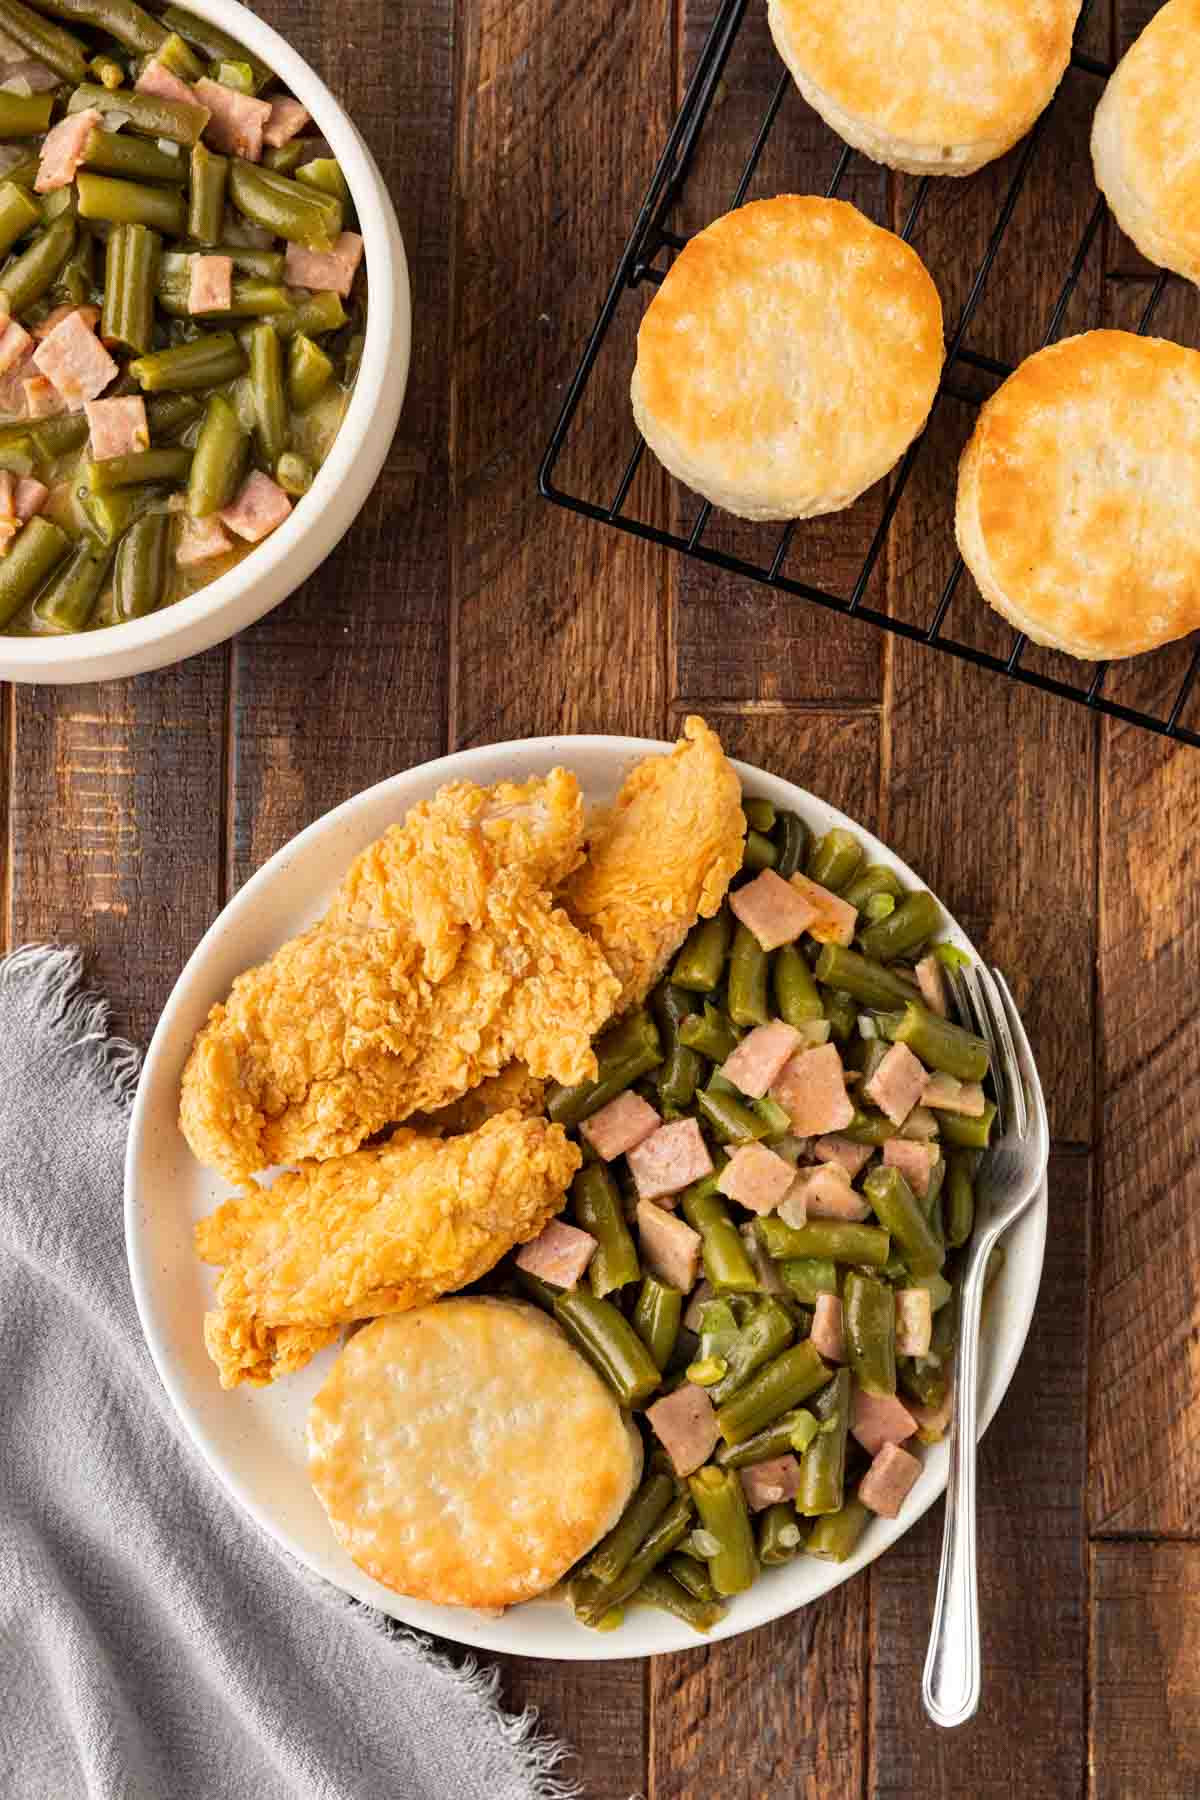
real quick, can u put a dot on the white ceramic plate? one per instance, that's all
(254, 1438)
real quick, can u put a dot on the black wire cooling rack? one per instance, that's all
(652, 238)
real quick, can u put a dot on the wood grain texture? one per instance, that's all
(1145, 1738)
(1032, 1572)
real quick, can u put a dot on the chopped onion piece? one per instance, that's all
(867, 1027)
(16, 84)
(168, 146)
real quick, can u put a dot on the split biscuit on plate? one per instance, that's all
(465, 1453)
(934, 87)
(789, 358)
(1079, 495)
(1146, 140)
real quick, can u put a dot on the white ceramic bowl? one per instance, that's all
(281, 562)
(254, 1438)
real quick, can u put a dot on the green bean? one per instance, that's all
(109, 516)
(76, 278)
(179, 57)
(791, 1378)
(796, 996)
(34, 272)
(969, 1134)
(206, 205)
(319, 314)
(808, 1277)
(294, 473)
(268, 265)
(768, 1331)
(661, 1591)
(710, 1033)
(731, 1121)
(960, 1196)
(18, 214)
(69, 600)
(142, 566)
(778, 1535)
(220, 459)
(701, 963)
(760, 852)
(897, 1208)
(134, 158)
(24, 173)
(823, 1465)
(326, 174)
(285, 159)
(931, 1204)
(309, 373)
(53, 438)
(869, 1127)
(773, 1440)
(140, 467)
(591, 1599)
(656, 1318)
(604, 1335)
(835, 1240)
(130, 203)
(24, 115)
(748, 970)
(760, 814)
(207, 362)
(841, 1011)
(597, 1207)
(170, 414)
(149, 114)
(793, 837)
(941, 1044)
(270, 401)
(58, 49)
(726, 1264)
(213, 41)
(532, 1287)
(691, 1575)
(916, 918)
(835, 860)
(120, 19)
(285, 208)
(721, 1504)
(616, 1551)
(869, 1324)
(776, 1119)
(626, 1051)
(53, 205)
(874, 880)
(130, 273)
(706, 1371)
(835, 1536)
(251, 298)
(19, 457)
(35, 553)
(868, 982)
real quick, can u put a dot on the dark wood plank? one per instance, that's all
(1028, 1736)
(1145, 1699)
(832, 753)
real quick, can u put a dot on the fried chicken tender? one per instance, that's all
(379, 1231)
(442, 959)
(514, 1088)
(662, 856)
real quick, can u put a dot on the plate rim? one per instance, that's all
(487, 1634)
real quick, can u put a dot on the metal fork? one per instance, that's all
(1009, 1179)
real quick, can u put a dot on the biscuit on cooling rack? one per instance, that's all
(936, 87)
(1146, 140)
(465, 1453)
(789, 358)
(1079, 492)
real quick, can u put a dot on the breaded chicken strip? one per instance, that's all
(660, 858)
(380, 1231)
(368, 1018)
(513, 1089)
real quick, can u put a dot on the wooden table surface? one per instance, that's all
(517, 137)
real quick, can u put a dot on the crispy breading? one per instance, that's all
(662, 856)
(513, 1089)
(379, 1231)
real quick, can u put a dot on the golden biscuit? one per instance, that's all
(1079, 492)
(467, 1454)
(936, 87)
(1146, 140)
(789, 358)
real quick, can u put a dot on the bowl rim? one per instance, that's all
(282, 561)
(766, 1601)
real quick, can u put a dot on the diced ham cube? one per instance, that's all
(620, 1126)
(76, 361)
(932, 984)
(559, 1254)
(897, 1084)
(157, 79)
(287, 118)
(914, 1161)
(236, 121)
(258, 509)
(920, 1124)
(772, 909)
(31, 496)
(42, 398)
(14, 342)
(914, 1321)
(933, 1420)
(670, 1249)
(889, 1480)
(62, 150)
(879, 1419)
(851, 1156)
(686, 1426)
(811, 1088)
(760, 1056)
(835, 919)
(89, 314)
(766, 1483)
(823, 1193)
(117, 427)
(669, 1160)
(331, 271)
(770, 1281)
(210, 284)
(826, 1333)
(756, 1178)
(201, 541)
(945, 1094)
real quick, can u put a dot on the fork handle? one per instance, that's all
(950, 1688)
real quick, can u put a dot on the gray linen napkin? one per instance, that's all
(154, 1644)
